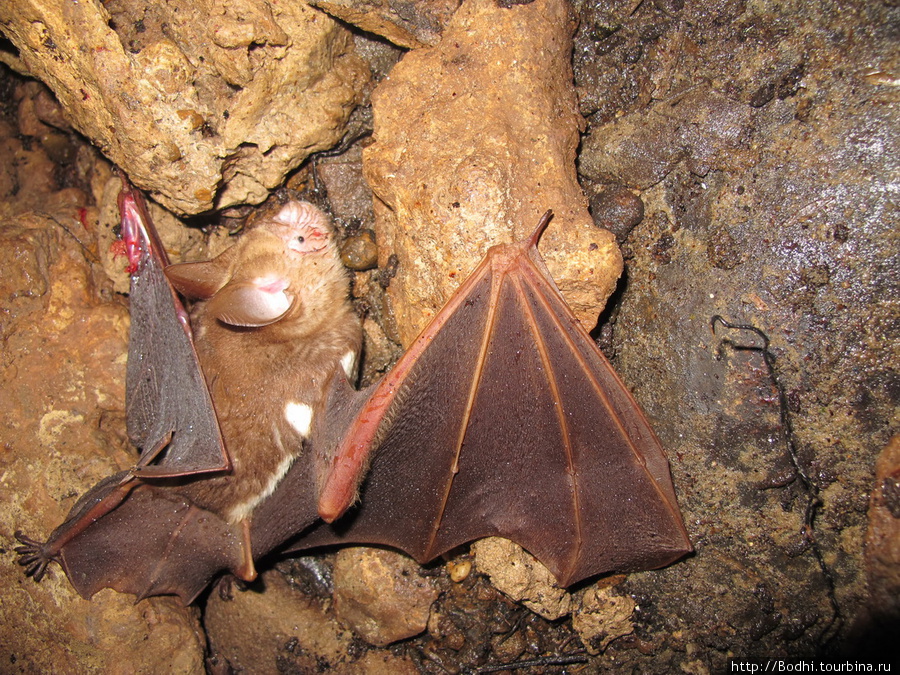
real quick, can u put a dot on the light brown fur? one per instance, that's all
(254, 372)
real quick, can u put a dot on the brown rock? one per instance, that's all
(283, 630)
(522, 577)
(381, 595)
(383, 662)
(201, 104)
(252, 628)
(28, 122)
(640, 150)
(410, 24)
(381, 352)
(617, 209)
(475, 139)
(359, 251)
(602, 617)
(806, 216)
(348, 193)
(882, 551)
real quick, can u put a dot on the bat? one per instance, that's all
(277, 300)
(503, 418)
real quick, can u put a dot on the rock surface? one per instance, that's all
(879, 623)
(522, 577)
(202, 104)
(406, 24)
(284, 630)
(603, 616)
(381, 595)
(474, 139)
(883, 537)
(763, 153)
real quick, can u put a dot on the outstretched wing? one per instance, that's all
(505, 419)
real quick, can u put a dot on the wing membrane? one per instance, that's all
(505, 419)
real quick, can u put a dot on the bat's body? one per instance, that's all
(503, 418)
(269, 337)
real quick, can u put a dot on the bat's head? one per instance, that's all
(285, 269)
(301, 227)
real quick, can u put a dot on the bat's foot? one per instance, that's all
(226, 586)
(32, 556)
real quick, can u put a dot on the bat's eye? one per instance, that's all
(310, 241)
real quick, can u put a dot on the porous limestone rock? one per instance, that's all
(407, 24)
(602, 616)
(521, 576)
(475, 139)
(202, 104)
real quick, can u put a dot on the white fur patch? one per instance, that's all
(243, 510)
(348, 363)
(299, 416)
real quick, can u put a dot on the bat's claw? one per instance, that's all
(226, 585)
(32, 556)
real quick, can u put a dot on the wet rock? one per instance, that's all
(473, 625)
(381, 352)
(701, 126)
(408, 25)
(618, 210)
(776, 217)
(348, 193)
(284, 630)
(380, 55)
(883, 536)
(380, 595)
(383, 662)
(723, 251)
(359, 251)
(474, 140)
(200, 107)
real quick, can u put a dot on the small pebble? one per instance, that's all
(459, 570)
(359, 251)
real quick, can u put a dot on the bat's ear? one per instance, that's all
(201, 280)
(250, 303)
(198, 280)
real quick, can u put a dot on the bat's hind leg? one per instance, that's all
(247, 570)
